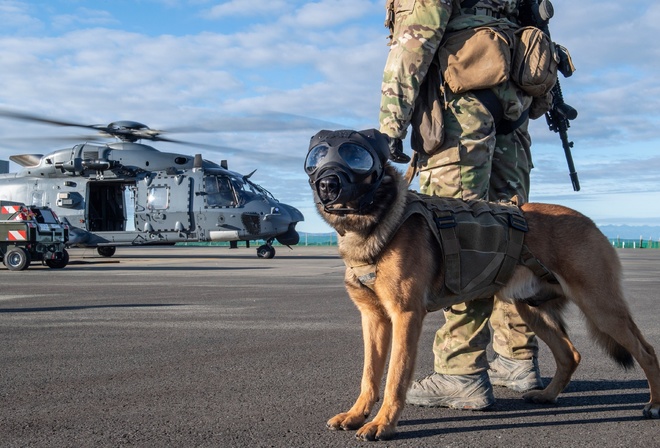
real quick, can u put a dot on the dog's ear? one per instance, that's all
(319, 136)
(379, 141)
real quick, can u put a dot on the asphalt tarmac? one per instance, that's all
(214, 347)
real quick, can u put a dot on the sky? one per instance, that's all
(263, 76)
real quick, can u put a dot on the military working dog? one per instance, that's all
(397, 272)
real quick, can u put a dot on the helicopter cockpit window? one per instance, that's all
(219, 192)
(245, 191)
(158, 198)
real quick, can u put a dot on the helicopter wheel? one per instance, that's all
(17, 259)
(59, 264)
(106, 251)
(266, 251)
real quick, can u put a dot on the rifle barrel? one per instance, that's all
(567, 145)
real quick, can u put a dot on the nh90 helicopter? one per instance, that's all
(174, 197)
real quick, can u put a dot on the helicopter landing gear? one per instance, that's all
(267, 250)
(106, 251)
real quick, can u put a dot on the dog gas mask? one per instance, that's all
(346, 167)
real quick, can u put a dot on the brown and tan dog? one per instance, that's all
(409, 272)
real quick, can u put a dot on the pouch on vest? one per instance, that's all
(475, 58)
(427, 122)
(535, 59)
(540, 105)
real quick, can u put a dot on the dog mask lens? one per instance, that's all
(356, 157)
(315, 156)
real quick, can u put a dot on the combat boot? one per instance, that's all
(520, 375)
(452, 391)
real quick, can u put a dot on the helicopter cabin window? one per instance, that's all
(158, 198)
(219, 192)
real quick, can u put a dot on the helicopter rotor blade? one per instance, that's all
(124, 130)
(131, 131)
(262, 122)
(269, 121)
(39, 119)
(158, 138)
(72, 139)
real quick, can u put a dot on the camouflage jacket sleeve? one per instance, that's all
(418, 29)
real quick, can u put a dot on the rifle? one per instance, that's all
(558, 121)
(538, 13)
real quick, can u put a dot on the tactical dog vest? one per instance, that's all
(482, 242)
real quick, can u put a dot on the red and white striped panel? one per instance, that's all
(17, 235)
(10, 209)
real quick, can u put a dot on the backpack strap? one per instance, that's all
(451, 248)
(517, 229)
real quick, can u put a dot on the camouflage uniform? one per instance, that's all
(474, 162)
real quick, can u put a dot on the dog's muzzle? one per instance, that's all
(328, 189)
(339, 194)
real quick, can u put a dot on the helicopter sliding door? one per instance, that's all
(105, 208)
(162, 204)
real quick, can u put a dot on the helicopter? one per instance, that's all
(128, 193)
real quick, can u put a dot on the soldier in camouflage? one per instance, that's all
(474, 162)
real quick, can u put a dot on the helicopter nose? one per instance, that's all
(328, 188)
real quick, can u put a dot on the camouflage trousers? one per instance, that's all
(476, 163)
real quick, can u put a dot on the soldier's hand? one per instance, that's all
(396, 151)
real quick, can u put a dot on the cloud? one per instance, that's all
(614, 88)
(250, 68)
(247, 8)
(83, 17)
(328, 13)
(16, 16)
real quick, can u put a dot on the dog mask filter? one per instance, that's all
(346, 167)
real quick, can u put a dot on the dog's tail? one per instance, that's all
(615, 350)
(550, 314)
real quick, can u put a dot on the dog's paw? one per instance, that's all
(539, 397)
(374, 431)
(652, 410)
(345, 421)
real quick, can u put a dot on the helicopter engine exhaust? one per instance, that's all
(98, 165)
